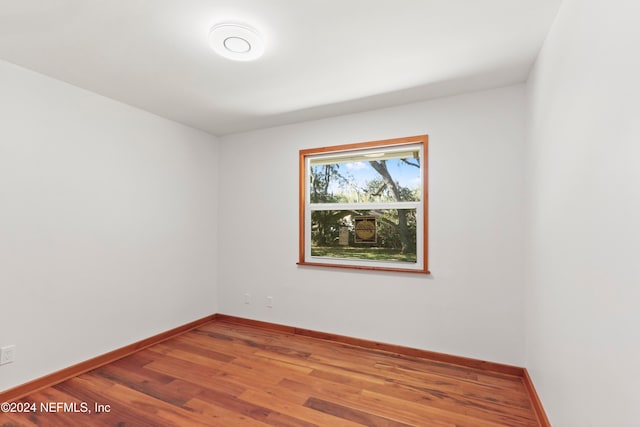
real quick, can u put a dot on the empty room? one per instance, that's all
(319, 213)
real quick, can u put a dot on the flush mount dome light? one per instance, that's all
(236, 41)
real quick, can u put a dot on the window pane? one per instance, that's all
(381, 234)
(376, 176)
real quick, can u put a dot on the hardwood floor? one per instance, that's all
(225, 374)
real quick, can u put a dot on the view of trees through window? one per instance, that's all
(364, 205)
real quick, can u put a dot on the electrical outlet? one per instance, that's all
(7, 354)
(247, 298)
(270, 302)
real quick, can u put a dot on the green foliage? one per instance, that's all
(325, 223)
(325, 230)
(322, 177)
(378, 254)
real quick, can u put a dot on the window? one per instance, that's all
(364, 205)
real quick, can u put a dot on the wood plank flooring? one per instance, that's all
(225, 374)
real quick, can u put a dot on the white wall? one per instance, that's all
(473, 303)
(107, 224)
(583, 240)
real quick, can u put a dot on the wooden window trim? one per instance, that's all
(419, 139)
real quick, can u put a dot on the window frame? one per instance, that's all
(422, 211)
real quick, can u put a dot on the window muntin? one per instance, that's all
(364, 205)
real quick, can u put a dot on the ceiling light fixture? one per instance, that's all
(238, 42)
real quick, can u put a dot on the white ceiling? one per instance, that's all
(323, 57)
